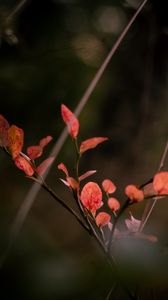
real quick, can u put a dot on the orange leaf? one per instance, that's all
(62, 167)
(108, 186)
(133, 193)
(34, 152)
(160, 183)
(70, 120)
(24, 165)
(44, 165)
(102, 219)
(91, 197)
(91, 143)
(4, 125)
(15, 140)
(113, 204)
(44, 142)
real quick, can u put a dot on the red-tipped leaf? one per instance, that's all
(108, 186)
(70, 120)
(62, 167)
(160, 183)
(41, 169)
(102, 219)
(44, 142)
(133, 193)
(4, 125)
(113, 204)
(91, 143)
(87, 174)
(34, 152)
(24, 165)
(15, 140)
(91, 197)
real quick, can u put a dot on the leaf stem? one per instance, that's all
(122, 209)
(53, 194)
(150, 205)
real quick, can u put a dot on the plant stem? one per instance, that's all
(83, 101)
(150, 205)
(53, 194)
(125, 205)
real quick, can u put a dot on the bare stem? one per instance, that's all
(53, 194)
(16, 10)
(122, 209)
(150, 205)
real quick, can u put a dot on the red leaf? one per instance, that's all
(15, 140)
(91, 197)
(133, 193)
(44, 165)
(24, 165)
(102, 219)
(87, 174)
(108, 186)
(160, 183)
(44, 142)
(113, 204)
(62, 167)
(34, 152)
(4, 125)
(70, 120)
(91, 143)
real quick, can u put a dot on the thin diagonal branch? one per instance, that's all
(28, 201)
(151, 203)
(16, 10)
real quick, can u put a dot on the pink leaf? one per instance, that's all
(34, 152)
(15, 140)
(132, 224)
(133, 193)
(44, 165)
(160, 183)
(108, 186)
(91, 197)
(44, 142)
(70, 120)
(24, 165)
(91, 143)
(102, 219)
(4, 125)
(62, 167)
(113, 204)
(87, 174)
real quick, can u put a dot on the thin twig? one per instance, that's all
(108, 297)
(28, 201)
(150, 205)
(16, 10)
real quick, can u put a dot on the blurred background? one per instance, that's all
(49, 52)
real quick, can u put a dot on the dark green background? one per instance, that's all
(60, 45)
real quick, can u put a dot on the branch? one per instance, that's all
(150, 205)
(28, 201)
